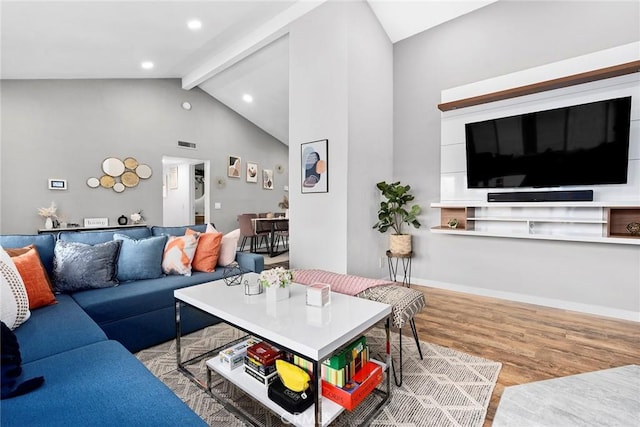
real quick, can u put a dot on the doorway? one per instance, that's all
(185, 191)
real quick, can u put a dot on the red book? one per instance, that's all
(264, 353)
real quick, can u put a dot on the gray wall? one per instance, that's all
(496, 40)
(65, 128)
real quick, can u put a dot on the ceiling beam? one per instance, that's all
(255, 40)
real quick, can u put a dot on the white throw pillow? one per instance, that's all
(14, 302)
(229, 247)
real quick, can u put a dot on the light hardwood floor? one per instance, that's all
(532, 342)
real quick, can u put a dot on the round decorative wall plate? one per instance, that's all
(113, 166)
(143, 171)
(118, 187)
(93, 182)
(130, 163)
(107, 181)
(129, 179)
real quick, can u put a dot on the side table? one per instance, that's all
(405, 259)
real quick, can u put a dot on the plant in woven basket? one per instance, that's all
(394, 212)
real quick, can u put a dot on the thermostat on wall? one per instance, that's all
(57, 184)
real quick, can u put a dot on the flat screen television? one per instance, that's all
(585, 144)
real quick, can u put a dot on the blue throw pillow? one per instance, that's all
(140, 259)
(78, 266)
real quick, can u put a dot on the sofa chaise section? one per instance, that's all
(55, 329)
(99, 384)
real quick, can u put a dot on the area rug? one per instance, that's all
(447, 388)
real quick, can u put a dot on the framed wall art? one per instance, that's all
(173, 178)
(315, 166)
(234, 167)
(267, 179)
(252, 172)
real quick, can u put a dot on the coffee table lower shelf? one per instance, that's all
(330, 409)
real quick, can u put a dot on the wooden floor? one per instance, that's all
(533, 343)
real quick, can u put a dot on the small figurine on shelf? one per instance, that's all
(137, 217)
(50, 215)
(634, 228)
(453, 223)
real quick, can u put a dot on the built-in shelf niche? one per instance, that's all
(587, 222)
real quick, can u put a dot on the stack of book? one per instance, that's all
(348, 376)
(260, 360)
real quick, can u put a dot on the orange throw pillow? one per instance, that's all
(208, 250)
(35, 278)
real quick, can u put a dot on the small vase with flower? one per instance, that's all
(276, 282)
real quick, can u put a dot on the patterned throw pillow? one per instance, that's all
(140, 258)
(78, 266)
(14, 302)
(178, 254)
(208, 250)
(229, 247)
(35, 278)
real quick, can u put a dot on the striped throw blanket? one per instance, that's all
(341, 283)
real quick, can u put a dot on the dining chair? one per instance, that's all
(263, 227)
(247, 231)
(282, 235)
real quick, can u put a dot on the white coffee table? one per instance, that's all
(310, 332)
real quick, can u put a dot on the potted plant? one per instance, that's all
(284, 204)
(393, 214)
(276, 282)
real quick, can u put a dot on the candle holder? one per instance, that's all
(253, 288)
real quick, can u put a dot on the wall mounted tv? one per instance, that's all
(585, 144)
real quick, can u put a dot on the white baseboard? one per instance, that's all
(530, 299)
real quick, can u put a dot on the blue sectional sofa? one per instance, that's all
(82, 345)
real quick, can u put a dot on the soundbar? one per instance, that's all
(542, 196)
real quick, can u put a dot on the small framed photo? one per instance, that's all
(57, 184)
(267, 179)
(234, 167)
(252, 172)
(315, 166)
(172, 180)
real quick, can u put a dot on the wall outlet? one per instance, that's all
(381, 262)
(217, 205)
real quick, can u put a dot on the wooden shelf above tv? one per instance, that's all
(575, 79)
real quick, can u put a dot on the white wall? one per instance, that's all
(499, 39)
(318, 109)
(340, 90)
(370, 139)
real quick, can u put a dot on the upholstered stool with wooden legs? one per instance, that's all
(405, 303)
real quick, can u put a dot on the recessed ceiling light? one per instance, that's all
(247, 98)
(194, 24)
(147, 65)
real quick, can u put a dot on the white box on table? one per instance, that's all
(233, 357)
(318, 294)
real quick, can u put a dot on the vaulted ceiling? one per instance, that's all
(239, 49)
